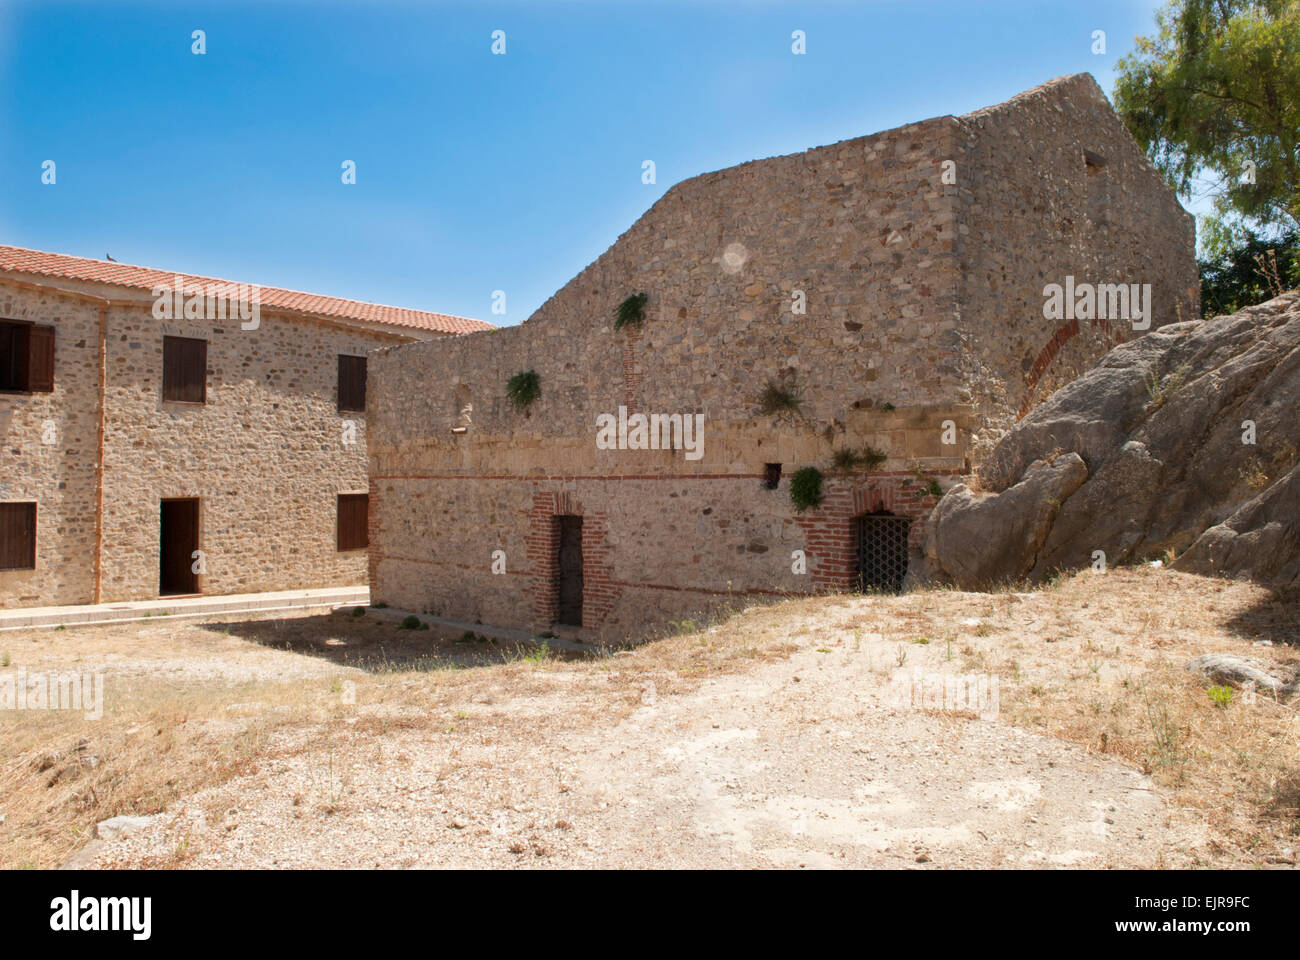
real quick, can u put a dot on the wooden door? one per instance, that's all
(569, 609)
(178, 539)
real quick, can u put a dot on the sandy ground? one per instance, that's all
(798, 763)
(777, 739)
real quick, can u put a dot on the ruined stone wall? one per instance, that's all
(266, 453)
(1051, 185)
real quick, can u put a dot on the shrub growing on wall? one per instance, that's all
(806, 488)
(523, 389)
(631, 312)
(849, 459)
(783, 400)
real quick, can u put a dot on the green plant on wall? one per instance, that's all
(849, 459)
(806, 488)
(780, 400)
(523, 389)
(631, 312)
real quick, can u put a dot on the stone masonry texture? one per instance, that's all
(265, 454)
(924, 324)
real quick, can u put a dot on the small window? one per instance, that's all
(17, 536)
(26, 357)
(1097, 189)
(354, 521)
(352, 383)
(185, 369)
(771, 476)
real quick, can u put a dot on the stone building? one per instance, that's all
(147, 445)
(901, 294)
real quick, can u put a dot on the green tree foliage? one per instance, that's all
(1244, 275)
(1215, 95)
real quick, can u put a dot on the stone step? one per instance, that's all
(184, 607)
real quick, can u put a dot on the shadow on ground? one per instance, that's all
(1275, 618)
(373, 644)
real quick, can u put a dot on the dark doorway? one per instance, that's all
(178, 539)
(569, 608)
(880, 542)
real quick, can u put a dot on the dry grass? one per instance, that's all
(1095, 660)
(168, 730)
(1099, 661)
(64, 772)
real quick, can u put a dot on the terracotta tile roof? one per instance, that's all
(39, 263)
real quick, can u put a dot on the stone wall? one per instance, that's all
(656, 547)
(266, 454)
(59, 475)
(923, 300)
(1051, 185)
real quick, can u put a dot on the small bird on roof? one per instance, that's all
(109, 256)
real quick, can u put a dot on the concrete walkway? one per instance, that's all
(324, 599)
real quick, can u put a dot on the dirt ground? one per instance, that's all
(786, 736)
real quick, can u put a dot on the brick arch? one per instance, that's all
(598, 590)
(827, 530)
(1053, 346)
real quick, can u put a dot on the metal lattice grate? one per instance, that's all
(881, 546)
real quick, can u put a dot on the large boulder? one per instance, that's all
(1160, 428)
(997, 539)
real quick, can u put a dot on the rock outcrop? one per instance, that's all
(1184, 441)
(1240, 672)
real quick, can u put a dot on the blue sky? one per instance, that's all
(474, 172)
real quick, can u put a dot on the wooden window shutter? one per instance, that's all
(352, 383)
(185, 369)
(196, 374)
(353, 521)
(40, 369)
(17, 536)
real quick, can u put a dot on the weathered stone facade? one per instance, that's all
(924, 323)
(266, 454)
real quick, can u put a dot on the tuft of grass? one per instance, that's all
(1254, 475)
(779, 400)
(540, 655)
(631, 312)
(358, 611)
(1220, 696)
(806, 488)
(410, 622)
(849, 459)
(524, 389)
(1160, 388)
(1165, 737)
